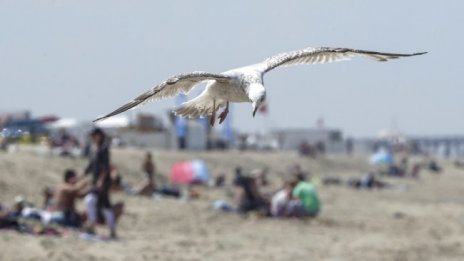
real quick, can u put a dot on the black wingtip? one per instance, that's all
(99, 119)
(421, 53)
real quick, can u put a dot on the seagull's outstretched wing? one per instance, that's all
(181, 83)
(325, 55)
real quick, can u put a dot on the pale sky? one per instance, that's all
(85, 58)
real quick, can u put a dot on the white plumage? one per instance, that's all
(244, 84)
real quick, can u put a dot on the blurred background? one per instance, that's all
(82, 59)
(358, 122)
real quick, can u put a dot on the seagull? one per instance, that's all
(244, 84)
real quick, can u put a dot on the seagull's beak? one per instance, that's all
(254, 111)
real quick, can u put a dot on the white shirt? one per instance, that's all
(278, 202)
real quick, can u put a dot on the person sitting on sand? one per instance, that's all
(8, 218)
(247, 195)
(305, 201)
(280, 200)
(368, 181)
(148, 168)
(61, 208)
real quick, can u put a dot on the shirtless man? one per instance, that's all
(62, 209)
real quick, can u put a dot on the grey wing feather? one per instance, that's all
(326, 55)
(182, 83)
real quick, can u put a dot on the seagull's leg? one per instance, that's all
(223, 114)
(212, 119)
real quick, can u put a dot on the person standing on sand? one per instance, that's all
(99, 197)
(148, 168)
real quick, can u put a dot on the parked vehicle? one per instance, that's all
(28, 131)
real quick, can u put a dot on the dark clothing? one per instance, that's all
(70, 219)
(100, 165)
(252, 200)
(103, 197)
(149, 169)
(167, 191)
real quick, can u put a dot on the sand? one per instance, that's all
(423, 222)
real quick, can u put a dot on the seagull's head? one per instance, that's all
(257, 95)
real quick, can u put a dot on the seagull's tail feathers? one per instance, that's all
(197, 107)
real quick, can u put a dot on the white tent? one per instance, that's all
(119, 121)
(65, 123)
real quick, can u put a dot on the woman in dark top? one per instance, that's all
(98, 200)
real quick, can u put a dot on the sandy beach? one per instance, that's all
(422, 221)
(364, 97)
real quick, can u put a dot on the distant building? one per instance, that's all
(148, 122)
(149, 132)
(330, 139)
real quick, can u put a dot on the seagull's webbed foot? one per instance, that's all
(224, 114)
(212, 119)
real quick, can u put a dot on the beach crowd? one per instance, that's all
(250, 192)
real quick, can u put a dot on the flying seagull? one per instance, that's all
(244, 84)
